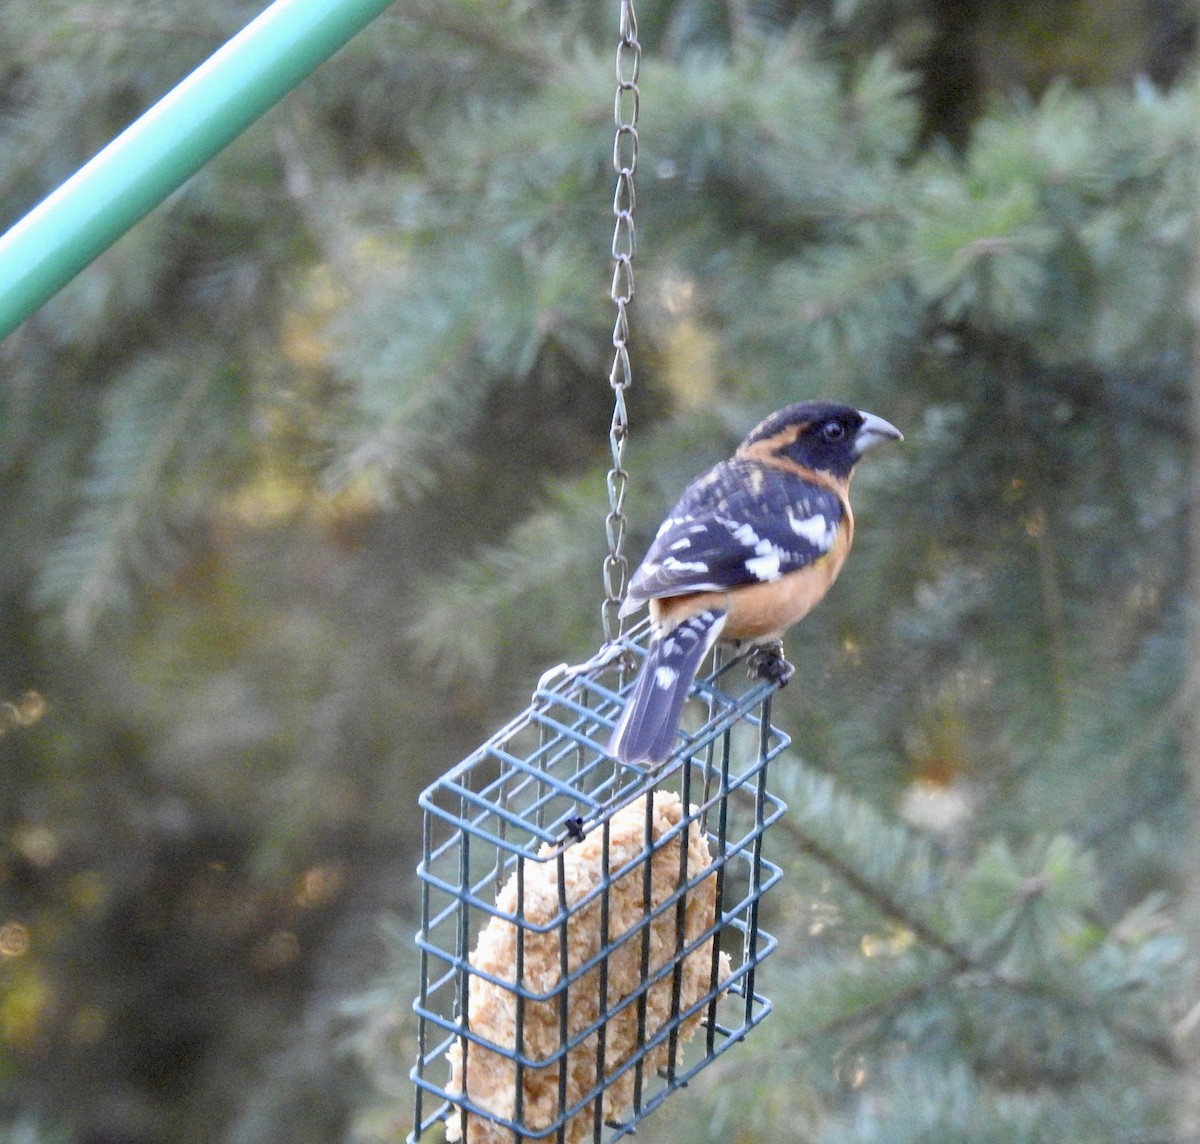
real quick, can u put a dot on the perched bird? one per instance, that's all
(750, 548)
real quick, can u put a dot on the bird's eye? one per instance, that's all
(832, 432)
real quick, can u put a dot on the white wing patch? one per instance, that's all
(768, 566)
(744, 534)
(818, 530)
(673, 564)
(768, 560)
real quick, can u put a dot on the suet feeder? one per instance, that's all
(590, 934)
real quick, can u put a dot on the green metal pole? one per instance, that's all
(169, 144)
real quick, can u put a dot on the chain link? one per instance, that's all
(620, 376)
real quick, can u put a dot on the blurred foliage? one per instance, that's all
(303, 488)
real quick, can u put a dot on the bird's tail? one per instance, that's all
(647, 728)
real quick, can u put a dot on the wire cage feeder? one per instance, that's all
(589, 932)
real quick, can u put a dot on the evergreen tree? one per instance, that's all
(304, 487)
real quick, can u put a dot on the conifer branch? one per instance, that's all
(539, 62)
(128, 485)
(887, 903)
(963, 963)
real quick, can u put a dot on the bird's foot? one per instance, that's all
(766, 662)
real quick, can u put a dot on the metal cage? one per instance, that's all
(582, 920)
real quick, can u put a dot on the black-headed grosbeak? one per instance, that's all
(750, 548)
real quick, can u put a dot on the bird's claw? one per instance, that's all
(766, 662)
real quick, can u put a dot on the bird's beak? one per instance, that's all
(874, 431)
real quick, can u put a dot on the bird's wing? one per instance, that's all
(741, 523)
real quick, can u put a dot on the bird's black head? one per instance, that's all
(820, 435)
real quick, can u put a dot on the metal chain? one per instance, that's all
(620, 377)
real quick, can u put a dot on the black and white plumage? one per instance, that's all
(741, 523)
(750, 548)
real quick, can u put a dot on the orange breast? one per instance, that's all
(766, 611)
